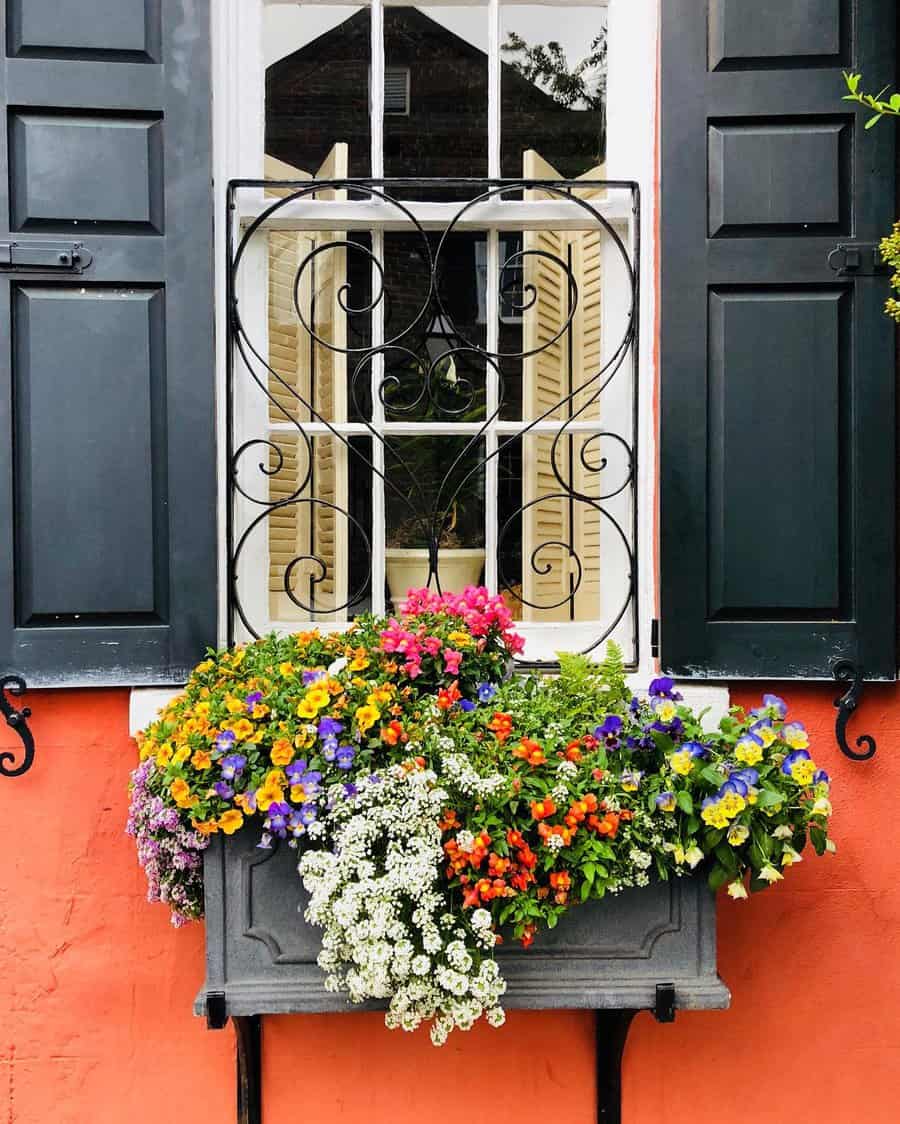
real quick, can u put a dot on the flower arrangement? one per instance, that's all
(440, 805)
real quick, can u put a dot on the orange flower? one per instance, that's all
(447, 696)
(531, 752)
(527, 937)
(230, 821)
(501, 725)
(561, 880)
(282, 752)
(181, 794)
(573, 751)
(201, 759)
(206, 827)
(242, 729)
(541, 809)
(393, 733)
(449, 820)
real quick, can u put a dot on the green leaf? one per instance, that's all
(717, 878)
(685, 802)
(727, 859)
(874, 120)
(818, 838)
(585, 890)
(768, 798)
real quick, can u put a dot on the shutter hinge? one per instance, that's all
(857, 259)
(654, 638)
(70, 257)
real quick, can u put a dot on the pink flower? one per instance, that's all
(452, 660)
(432, 645)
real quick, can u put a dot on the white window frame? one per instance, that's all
(238, 115)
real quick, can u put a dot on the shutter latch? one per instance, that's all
(857, 259)
(69, 257)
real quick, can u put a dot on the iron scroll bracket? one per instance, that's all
(18, 720)
(845, 671)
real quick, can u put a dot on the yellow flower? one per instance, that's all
(242, 729)
(665, 710)
(205, 827)
(359, 663)
(286, 669)
(306, 709)
(260, 710)
(737, 834)
(381, 695)
(681, 762)
(318, 696)
(305, 738)
(748, 752)
(243, 801)
(282, 752)
(802, 772)
(460, 639)
(202, 709)
(164, 755)
(272, 790)
(181, 794)
(366, 717)
(201, 759)
(732, 803)
(181, 754)
(230, 821)
(234, 705)
(202, 668)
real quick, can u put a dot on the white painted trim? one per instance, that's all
(145, 704)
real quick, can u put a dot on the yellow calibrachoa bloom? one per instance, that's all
(271, 791)
(201, 759)
(205, 827)
(282, 752)
(181, 754)
(286, 669)
(181, 793)
(306, 709)
(366, 717)
(305, 737)
(164, 755)
(243, 729)
(230, 821)
(318, 696)
(359, 663)
(234, 705)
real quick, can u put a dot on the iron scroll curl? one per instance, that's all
(18, 721)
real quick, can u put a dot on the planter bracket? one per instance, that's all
(845, 671)
(664, 1008)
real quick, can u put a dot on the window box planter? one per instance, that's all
(261, 954)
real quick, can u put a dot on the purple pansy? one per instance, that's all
(233, 766)
(225, 740)
(609, 731)
(344, 757)
(329, 727)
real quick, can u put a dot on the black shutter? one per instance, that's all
(107, 440)
(777, 408)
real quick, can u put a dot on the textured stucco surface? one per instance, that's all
(96, 988)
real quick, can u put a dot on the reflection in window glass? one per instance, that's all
(553, 91)
(444, 50)
(317, 90)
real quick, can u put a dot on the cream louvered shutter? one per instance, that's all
(558, 379)
(309, 385)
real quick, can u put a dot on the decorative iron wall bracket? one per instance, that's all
(845, 671)
(18, 720)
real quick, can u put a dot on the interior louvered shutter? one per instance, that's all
(555, 531)
(107, 425)
(777, 412)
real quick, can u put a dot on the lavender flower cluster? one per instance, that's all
(170, 854)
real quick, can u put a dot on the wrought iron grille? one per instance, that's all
(354, 333)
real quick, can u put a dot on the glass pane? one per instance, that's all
(320, 532)
(553, 91)
(319, 324)
(317, 91)
(434, 498)
(556, 545)
(559, 319)
(441, 54)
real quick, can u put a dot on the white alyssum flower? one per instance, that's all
(566, 770)
(376, 895)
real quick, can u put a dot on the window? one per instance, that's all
(434, 372)
(396, 89)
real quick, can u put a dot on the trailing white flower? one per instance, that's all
(377, 896)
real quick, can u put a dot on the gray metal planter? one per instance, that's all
(261, 954)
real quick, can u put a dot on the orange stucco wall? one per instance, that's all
(96, 987)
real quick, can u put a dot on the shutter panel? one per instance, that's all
(777, 408)
(107, 434)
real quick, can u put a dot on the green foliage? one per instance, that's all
(889, 107)
(582, 86)
(890, 244)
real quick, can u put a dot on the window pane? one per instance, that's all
(319, 324)
(435, 497)
(320, 532)
(553, 90)
(561, 497)
(317, 91)
(443, 52)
